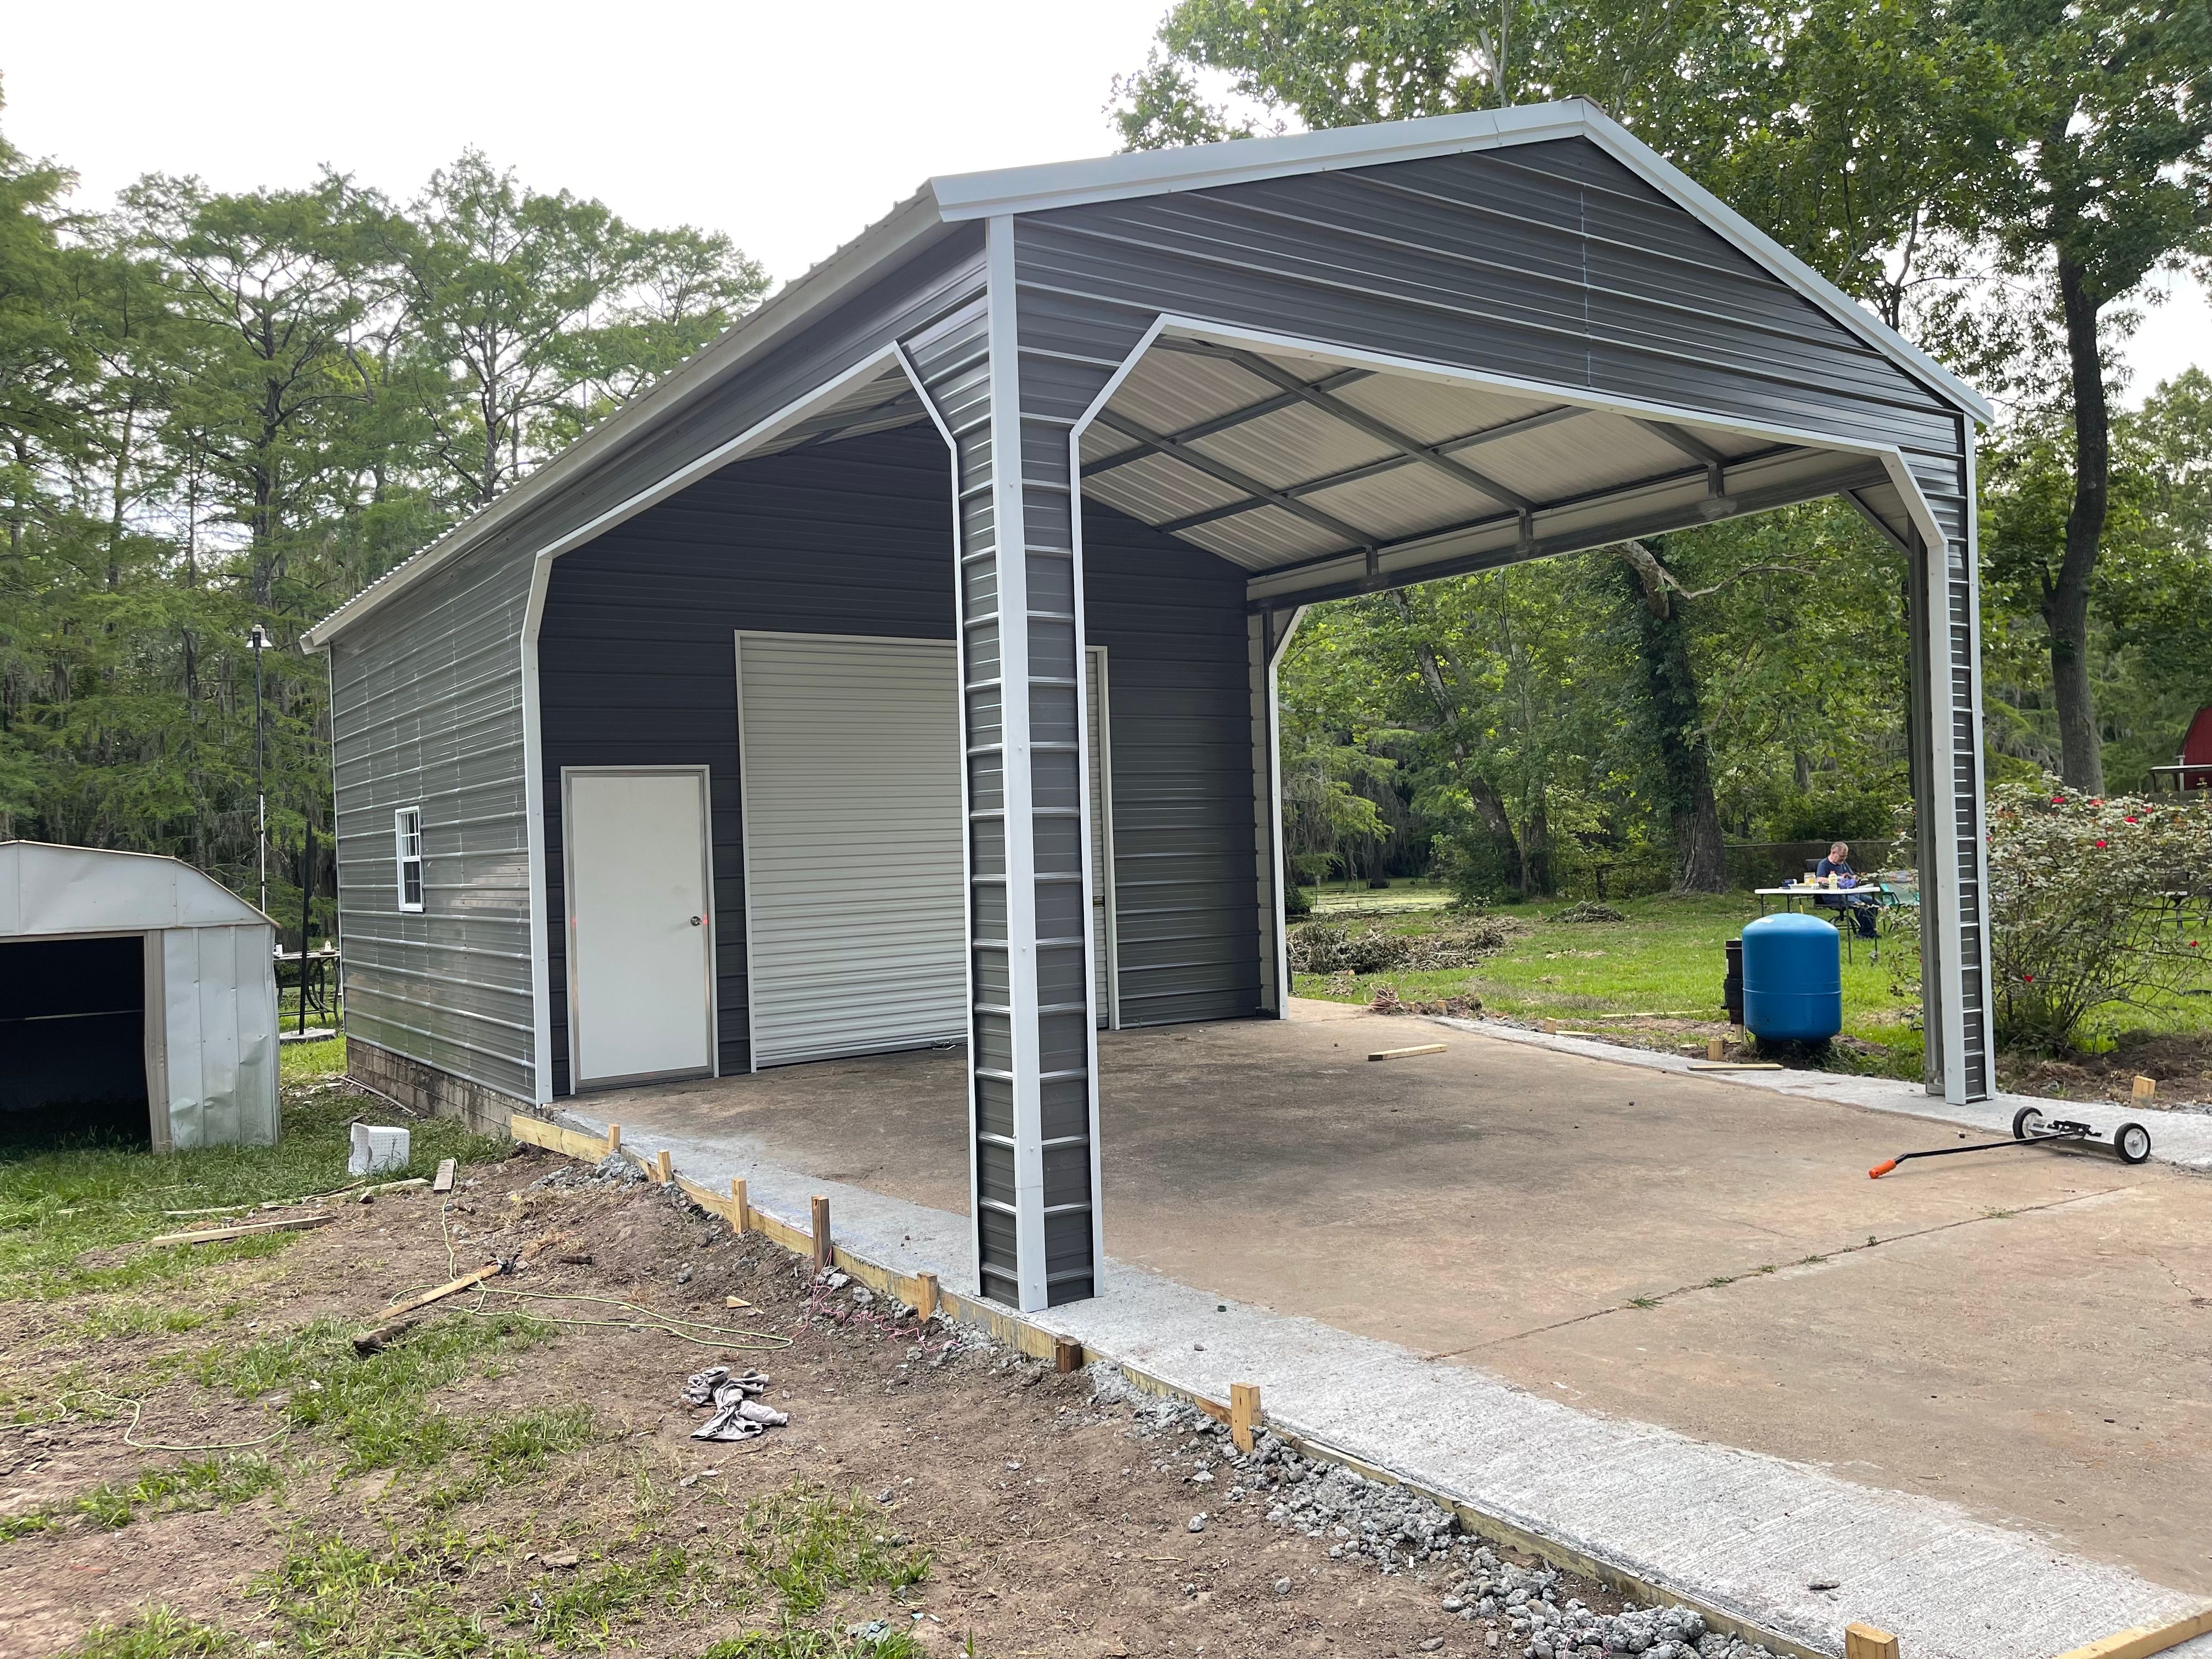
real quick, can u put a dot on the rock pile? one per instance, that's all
(1402, 1531)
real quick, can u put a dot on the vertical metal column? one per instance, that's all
(1268, 635)
(1947, 791)
(1033, 1089)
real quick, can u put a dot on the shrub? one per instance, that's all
(2092, 902)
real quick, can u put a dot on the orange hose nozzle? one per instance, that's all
(1881, 1169)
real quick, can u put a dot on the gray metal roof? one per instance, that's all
(1338, 485)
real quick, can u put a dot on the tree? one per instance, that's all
(528, 316)
(2110, 177)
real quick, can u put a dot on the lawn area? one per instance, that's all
(1654, 980)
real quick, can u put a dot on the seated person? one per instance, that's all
(1839, 865)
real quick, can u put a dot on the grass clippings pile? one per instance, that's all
(1321, 947)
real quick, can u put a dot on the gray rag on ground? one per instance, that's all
(738, 1415)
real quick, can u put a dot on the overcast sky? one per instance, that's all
(789, 125)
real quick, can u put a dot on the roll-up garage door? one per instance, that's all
(855, 927)
(857, 938)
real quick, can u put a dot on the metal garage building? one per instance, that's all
(711, 746)
(136, 993)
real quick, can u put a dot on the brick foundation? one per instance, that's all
(426, 1089)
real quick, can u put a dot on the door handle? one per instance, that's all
(694, 921)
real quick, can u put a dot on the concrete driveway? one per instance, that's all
(2023, 1332)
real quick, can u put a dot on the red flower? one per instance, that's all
(2192, 945)
(2135, 820)
(2027, 979)
(2100, 843)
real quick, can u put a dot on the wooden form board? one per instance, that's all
(537, 1132)
(2145, 1640)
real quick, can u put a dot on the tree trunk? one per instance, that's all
(1670, 689)
(2066, 600)
(1536, 852)
(1488, 807)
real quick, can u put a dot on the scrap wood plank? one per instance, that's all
(1402, 1053)
(451, 1287)
(246, 1230)
(1736, 1066)
(2145, 1639)
(443, 1182)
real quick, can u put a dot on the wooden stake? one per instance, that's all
(2146, 1088)
(925, 1295)
(290, 1224)
(1551, 1027)
(823, 1253)
(614, 1138)
(741, 1208)
(1243, 1414)
(1865, 1642)
(662, 1167)
(1067, 1355)
(443, 1181)
(1715, 1049)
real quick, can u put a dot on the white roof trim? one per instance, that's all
(1245, 161)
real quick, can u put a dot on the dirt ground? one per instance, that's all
(560, 1504)
(2181, 1066)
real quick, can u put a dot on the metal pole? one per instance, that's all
(307, 912)
(259, 639)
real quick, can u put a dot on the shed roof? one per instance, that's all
(46, 888)
(944, 203)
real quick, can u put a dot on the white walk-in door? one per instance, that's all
(856, 931)
(857, 937)
(641, 930)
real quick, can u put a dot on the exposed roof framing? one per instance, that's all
(1374, 411)
(1263, 494)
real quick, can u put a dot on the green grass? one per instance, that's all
(374, 1408)
(59, 1202)
(1665, 958)
(417, 1593)
(157, 1633)
(303, 1062)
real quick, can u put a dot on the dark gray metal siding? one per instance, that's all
(635, 667)
(1186, 897)
(427, 702)
(426, 710)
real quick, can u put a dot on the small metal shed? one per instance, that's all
(131, 982)
(902, 668)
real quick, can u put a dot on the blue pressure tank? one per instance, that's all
(1793, 979)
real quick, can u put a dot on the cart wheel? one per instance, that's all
(2132, 1142)
(2027, 1123)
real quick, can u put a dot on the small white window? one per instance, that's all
(407, 833)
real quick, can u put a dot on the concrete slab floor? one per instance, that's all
(2022, 1333)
